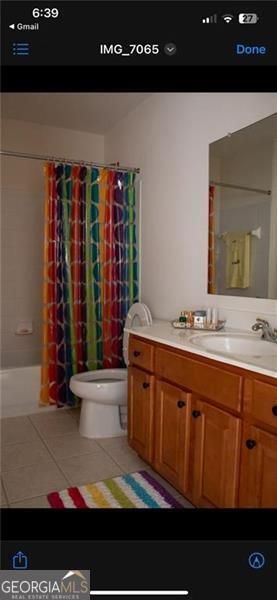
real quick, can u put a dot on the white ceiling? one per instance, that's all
(91, 112)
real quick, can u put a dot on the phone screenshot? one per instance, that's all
(138, 299)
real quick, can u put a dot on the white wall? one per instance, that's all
(22, 199)
(168, 137)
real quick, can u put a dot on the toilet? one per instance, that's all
(104, 391)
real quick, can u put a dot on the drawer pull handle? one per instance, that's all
(145, 385)
(274, 410)
(136, 353)
(196, 413)
(250, 444)
(181, 403)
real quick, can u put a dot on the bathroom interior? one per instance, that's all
(139, 300)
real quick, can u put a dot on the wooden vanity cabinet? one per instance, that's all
(210, 430)
(216, 456)
(140, 412)
(260, 403)
(172, 410)
(258, 486)
(258, 477)
(202, 377)
(141, 354)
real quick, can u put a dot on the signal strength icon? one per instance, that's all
(211, 19)
(227, 18)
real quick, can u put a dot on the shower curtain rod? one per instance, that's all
(111, 166)
(240, 187)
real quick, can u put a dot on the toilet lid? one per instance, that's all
(138, 316)
(149, 314)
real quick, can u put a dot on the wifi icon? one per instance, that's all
(227, 18)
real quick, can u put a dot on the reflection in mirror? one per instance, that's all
(243, 212)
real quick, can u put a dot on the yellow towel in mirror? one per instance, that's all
(238, 246)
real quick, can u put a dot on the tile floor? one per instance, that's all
(45, 452)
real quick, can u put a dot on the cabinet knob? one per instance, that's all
(250, 444)
(274, 410)
(136, 353)
(181, 403)
(196, 413)
(145, 385)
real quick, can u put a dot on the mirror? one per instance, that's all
(243, 212)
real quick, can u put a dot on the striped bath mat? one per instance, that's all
(135, 490)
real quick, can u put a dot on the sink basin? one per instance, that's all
(238, 344)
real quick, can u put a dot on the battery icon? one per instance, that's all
(248, 18)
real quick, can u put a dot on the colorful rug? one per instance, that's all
(135, 490)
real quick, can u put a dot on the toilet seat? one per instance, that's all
(139, 316)
(82, 385)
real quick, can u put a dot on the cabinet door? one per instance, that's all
(172, 407)
(216, 456)
(140, 412)
(258, 482)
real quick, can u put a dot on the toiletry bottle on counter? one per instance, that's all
(183, 318)
(214, 316)
(200, 318)
(190, 317)
(209, 316)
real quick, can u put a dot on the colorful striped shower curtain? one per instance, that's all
(90, 273)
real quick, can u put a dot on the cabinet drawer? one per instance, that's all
(213, 383)
(261, 401)
(141, 354)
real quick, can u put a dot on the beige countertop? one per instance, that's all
(164, 332)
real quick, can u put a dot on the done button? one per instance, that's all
(254, 50)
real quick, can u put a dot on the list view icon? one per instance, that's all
(21, 49)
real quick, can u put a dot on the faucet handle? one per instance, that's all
(260, 320)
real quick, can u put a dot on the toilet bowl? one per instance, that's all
(104, 391)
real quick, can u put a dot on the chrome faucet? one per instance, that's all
(269, 334)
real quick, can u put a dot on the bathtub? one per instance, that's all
(19, 393)
(20, 388)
